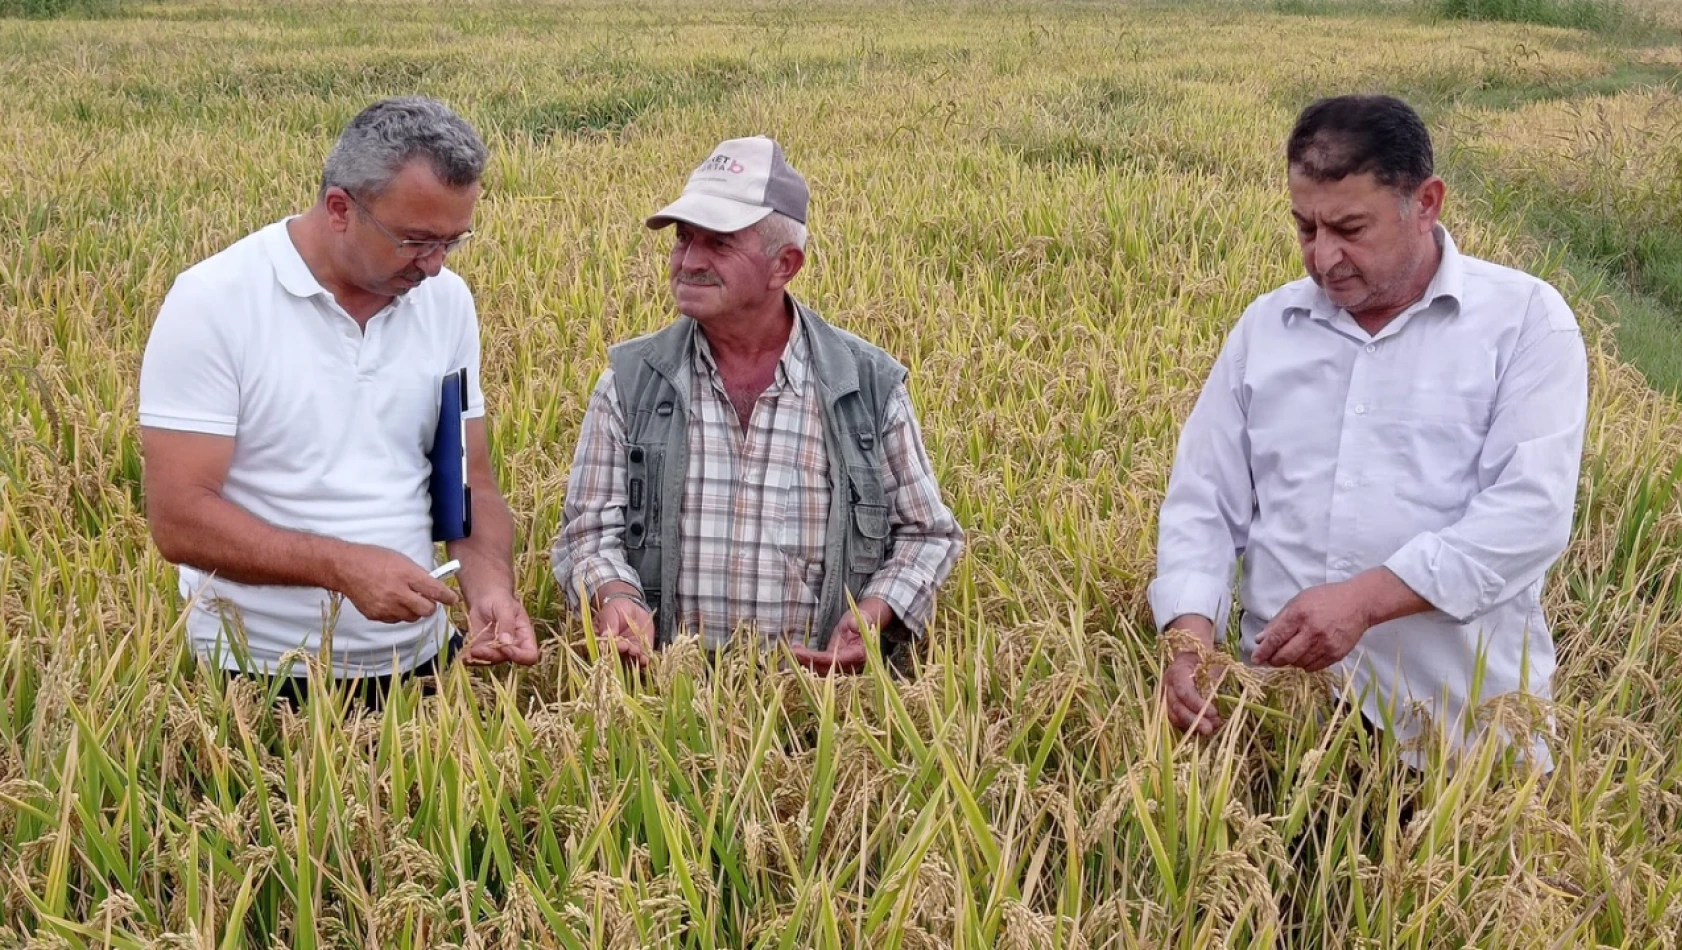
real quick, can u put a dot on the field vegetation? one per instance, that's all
(1052, 213)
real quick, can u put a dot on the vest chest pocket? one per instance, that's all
(870, 522)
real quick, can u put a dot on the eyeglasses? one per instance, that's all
(411, 249)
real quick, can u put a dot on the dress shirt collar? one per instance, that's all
(1447, 285)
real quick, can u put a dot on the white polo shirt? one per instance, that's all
(331, 427)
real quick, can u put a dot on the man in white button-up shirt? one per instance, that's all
(288, 398)
(1390, 446)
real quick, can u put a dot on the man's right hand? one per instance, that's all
(388, 587)
(1188, 709)
(628, 622)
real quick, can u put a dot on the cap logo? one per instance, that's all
(722, 163)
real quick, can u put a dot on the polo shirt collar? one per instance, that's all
(1447, 284)
(289, 266)
(293, 273)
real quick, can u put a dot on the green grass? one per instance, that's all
(1593, 15)
(40, 9)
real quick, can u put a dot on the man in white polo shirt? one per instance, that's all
(288, 399)
(1389, 447)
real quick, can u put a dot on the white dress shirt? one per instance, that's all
(1446, 447)
(331, 426)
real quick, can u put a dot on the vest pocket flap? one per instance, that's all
(867, 486)
(872, 520)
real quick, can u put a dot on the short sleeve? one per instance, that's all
(189, 377)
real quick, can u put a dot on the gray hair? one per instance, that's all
(778, 230)
(387, 135)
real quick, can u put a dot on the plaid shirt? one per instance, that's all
(755, 508)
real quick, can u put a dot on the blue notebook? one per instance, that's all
(452, 500)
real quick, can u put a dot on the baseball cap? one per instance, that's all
(739, 185)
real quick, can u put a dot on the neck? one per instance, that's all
(1375, 319)
(753, 334)
(313, 237)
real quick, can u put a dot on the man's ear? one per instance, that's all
(785, 265)
(1428, 202)
(339, 207)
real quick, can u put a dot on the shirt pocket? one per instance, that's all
(1435, 438)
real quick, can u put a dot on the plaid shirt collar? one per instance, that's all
(792, 367)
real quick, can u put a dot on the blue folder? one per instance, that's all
(452, 500)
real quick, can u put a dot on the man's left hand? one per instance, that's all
(499, 631)
(846, 652)
(1317, 628)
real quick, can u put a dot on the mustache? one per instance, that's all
(700, 278)
(1340, 274)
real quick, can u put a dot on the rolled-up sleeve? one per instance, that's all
(925, 538)
(1518, 525)
(1205, 516)
(589, 550)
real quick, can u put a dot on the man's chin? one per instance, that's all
(690, 298)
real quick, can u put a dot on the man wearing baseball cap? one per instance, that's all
(751, 470)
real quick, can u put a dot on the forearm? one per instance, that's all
(214, 535)
(1385, 597)
(487, 556)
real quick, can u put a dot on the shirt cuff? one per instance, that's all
(909, 607)
(1174, 595)
(1451, 581)
(596, 572)
(208, 425)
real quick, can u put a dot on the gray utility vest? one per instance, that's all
(653, 375)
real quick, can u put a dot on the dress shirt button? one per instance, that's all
(1361, 410)
(1372, 347)
(1348, 483)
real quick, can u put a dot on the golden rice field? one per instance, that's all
(1051, 212)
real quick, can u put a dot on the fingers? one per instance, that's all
(1275, 636)
(815, 660)
(848, 658)
(631, 649)
(412, 606)
(1300, 647)
(1187, 709)
(433, 589)
(1320, 660)
(523, 646)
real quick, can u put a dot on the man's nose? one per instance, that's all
(691, 259)
(432, 262)
(1328, 253)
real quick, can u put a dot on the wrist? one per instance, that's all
(1369, 591)
(335, 558)
(608, 595)
(478, 579)
(1194, 625)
